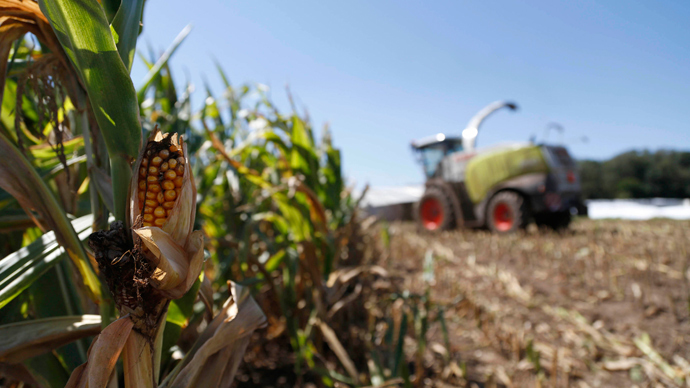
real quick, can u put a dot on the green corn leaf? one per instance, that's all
(126, 25)
(48, 371)
(23, 340)
(83, 30)
(21, 268)
(7, 110)
(57, 166)
(22, 181)
(161, 62)
(46, 151)
(302, 147)
(444, 330)
(55, 294)
(10, 222)
(111, 7)
(179, 313)
(274, 261)
(181, 309)
(103, 185)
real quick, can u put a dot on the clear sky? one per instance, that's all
(385, 72)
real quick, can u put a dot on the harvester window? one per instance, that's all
(431, 157)
(454, 146)
(432, 152)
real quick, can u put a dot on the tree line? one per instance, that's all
(637, 174)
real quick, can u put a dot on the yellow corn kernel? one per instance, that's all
(161, 179)
(168, 185)
(170, 195)
(159, 212)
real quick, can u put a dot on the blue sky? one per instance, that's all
(385, 72)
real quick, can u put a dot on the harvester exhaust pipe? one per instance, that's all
(469, 134)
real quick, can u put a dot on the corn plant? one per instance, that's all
(71, 124)
(273, 201)
(250, 184)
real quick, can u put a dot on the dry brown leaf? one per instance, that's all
(206, 296)
(223, 343)
(337, 348)
(19, 373)
(18, 17)
(103, 354)
(137, 362)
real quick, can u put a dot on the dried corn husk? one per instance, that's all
(223, 343)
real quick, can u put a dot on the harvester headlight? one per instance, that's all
(469, 133)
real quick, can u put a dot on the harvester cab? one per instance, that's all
(432, 150)
(502, 187)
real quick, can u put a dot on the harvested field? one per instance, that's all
(605, 304)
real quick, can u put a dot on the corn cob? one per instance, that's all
(161, 177)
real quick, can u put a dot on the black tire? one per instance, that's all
(557, 221)
(434, 211)
(506, 212)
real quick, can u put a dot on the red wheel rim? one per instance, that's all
(503, 217)
(431, 213)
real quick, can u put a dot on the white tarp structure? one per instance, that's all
(394, 202)
(392, 195)
(640, 209)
